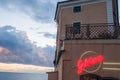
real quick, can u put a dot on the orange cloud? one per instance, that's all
(14, 67)
(4, 50)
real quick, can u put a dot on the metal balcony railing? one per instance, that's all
(92, 31)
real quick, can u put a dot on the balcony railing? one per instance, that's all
(92, 31)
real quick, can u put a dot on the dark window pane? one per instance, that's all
(90, 77)
(77, 9)
(109, 78)
(76, 26)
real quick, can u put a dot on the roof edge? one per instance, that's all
(58, 3)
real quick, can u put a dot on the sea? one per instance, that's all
(22, 76)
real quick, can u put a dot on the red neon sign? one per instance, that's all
(83, 64)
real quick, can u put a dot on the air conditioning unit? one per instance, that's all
(62, 48)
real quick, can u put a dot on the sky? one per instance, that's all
(28, 35)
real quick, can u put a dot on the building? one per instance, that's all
(87, 45)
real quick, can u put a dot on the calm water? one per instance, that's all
(22, 76)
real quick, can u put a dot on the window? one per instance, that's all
(90, 77)
(109, 78)
(76, 26)
(77, 9)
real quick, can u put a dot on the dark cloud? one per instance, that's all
(16, 47)
(36, 9)
(48, 35)
(49, 53)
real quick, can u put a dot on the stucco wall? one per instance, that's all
(111, 52)
(53, 75)
(89, 14)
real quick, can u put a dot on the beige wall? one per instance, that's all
(67, 70)
(75, 48)
(111, 52)
(59, 68)
(89, 14)
(52, 75)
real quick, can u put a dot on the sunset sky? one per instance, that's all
(27, 35)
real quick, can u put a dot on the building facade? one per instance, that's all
(87, 44)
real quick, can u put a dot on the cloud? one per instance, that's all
(14, 67)
(39, 10)
(48, 35)
(15, 47)
(49, 54)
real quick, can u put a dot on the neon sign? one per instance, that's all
(83, 64)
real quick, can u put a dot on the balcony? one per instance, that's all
(92, 31)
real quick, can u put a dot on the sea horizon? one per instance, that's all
(22, 76)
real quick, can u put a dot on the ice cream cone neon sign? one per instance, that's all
(88, 62)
